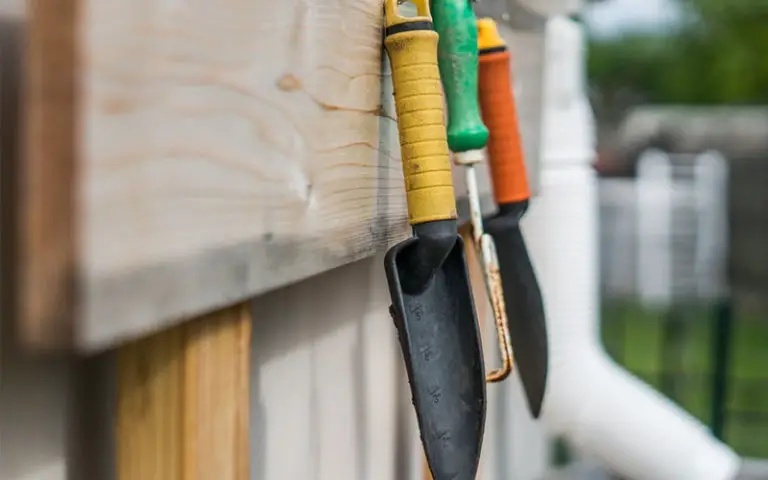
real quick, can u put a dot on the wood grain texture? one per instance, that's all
(208, 152)
(183, 401)
(231, 148)
(47, 245)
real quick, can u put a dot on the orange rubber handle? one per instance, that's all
(505, 149)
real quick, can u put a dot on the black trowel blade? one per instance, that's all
(524, 307)
(440, 340)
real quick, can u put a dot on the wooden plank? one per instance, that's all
(183, 401)
(324, 378)
(203, 146)
(209, 152)
(379, 374)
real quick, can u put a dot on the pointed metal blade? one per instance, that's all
(524, 306)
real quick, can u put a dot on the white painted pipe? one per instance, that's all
(600, 408)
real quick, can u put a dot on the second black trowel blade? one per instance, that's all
(524, 304)
(440, 340)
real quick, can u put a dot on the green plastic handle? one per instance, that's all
(456, 25)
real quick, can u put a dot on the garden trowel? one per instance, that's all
(432, 304)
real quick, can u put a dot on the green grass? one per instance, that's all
(634, 336)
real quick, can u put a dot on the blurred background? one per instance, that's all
(679, 89)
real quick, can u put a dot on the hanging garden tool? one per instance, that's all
(525, 310)
(432, 303)
(456, 25)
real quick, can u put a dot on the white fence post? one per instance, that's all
(654, 228)
(711, 177)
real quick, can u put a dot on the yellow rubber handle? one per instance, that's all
(412, 48)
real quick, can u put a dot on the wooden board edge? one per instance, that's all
(129, 306)
(134, 304)
(47, 264)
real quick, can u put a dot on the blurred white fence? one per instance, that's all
(663, 235)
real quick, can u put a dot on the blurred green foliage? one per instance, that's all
(715, 56)
(635, 337)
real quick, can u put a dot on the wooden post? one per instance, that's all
(183, 401)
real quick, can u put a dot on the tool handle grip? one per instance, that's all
(456, 24)
(505, 149)
(412, 50)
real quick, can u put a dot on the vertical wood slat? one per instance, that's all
(325, 368)
(183, 401)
